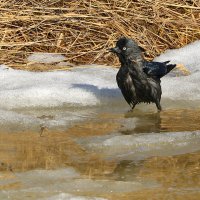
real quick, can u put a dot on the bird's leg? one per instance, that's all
(158, 106)
(132, 107)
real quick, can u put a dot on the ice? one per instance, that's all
(65, 196)
(58, 119)
(47, 175)
(34, 195)
(10, 120)
(141, 146)
(68, 180)
(62, 183)
(46, 58)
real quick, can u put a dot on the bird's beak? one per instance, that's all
(115, 50)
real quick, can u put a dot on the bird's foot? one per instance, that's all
(131, 110)
(159, 109)
(158, 106)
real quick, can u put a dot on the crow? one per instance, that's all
(138, 79)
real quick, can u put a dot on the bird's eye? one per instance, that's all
(124, 48)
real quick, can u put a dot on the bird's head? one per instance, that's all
(127, 49)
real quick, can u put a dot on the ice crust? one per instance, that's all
(65, 184)
(141, 146)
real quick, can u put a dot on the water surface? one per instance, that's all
(111, 154)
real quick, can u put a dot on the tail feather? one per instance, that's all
(166, 62)
(170, 67)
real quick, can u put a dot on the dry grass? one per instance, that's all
(157, 194)
(179, 120)
(173, 171)
(83, 30)
(28, 151)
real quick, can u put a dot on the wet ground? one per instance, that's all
(110, 153)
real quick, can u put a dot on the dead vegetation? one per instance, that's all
(83, 30)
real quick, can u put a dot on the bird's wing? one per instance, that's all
(157, 69)
(126, 86)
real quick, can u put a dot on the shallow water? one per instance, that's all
(111, 153)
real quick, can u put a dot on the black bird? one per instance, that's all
(138, 79)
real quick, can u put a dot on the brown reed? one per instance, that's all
(82, 30)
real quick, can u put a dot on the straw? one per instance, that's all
(83, 30)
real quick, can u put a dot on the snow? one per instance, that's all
(46, 58)
(21, 89)
(185, 87)
(188, 56)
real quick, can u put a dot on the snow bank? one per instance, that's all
(188, 55)
(185, 87)
(86, 87)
